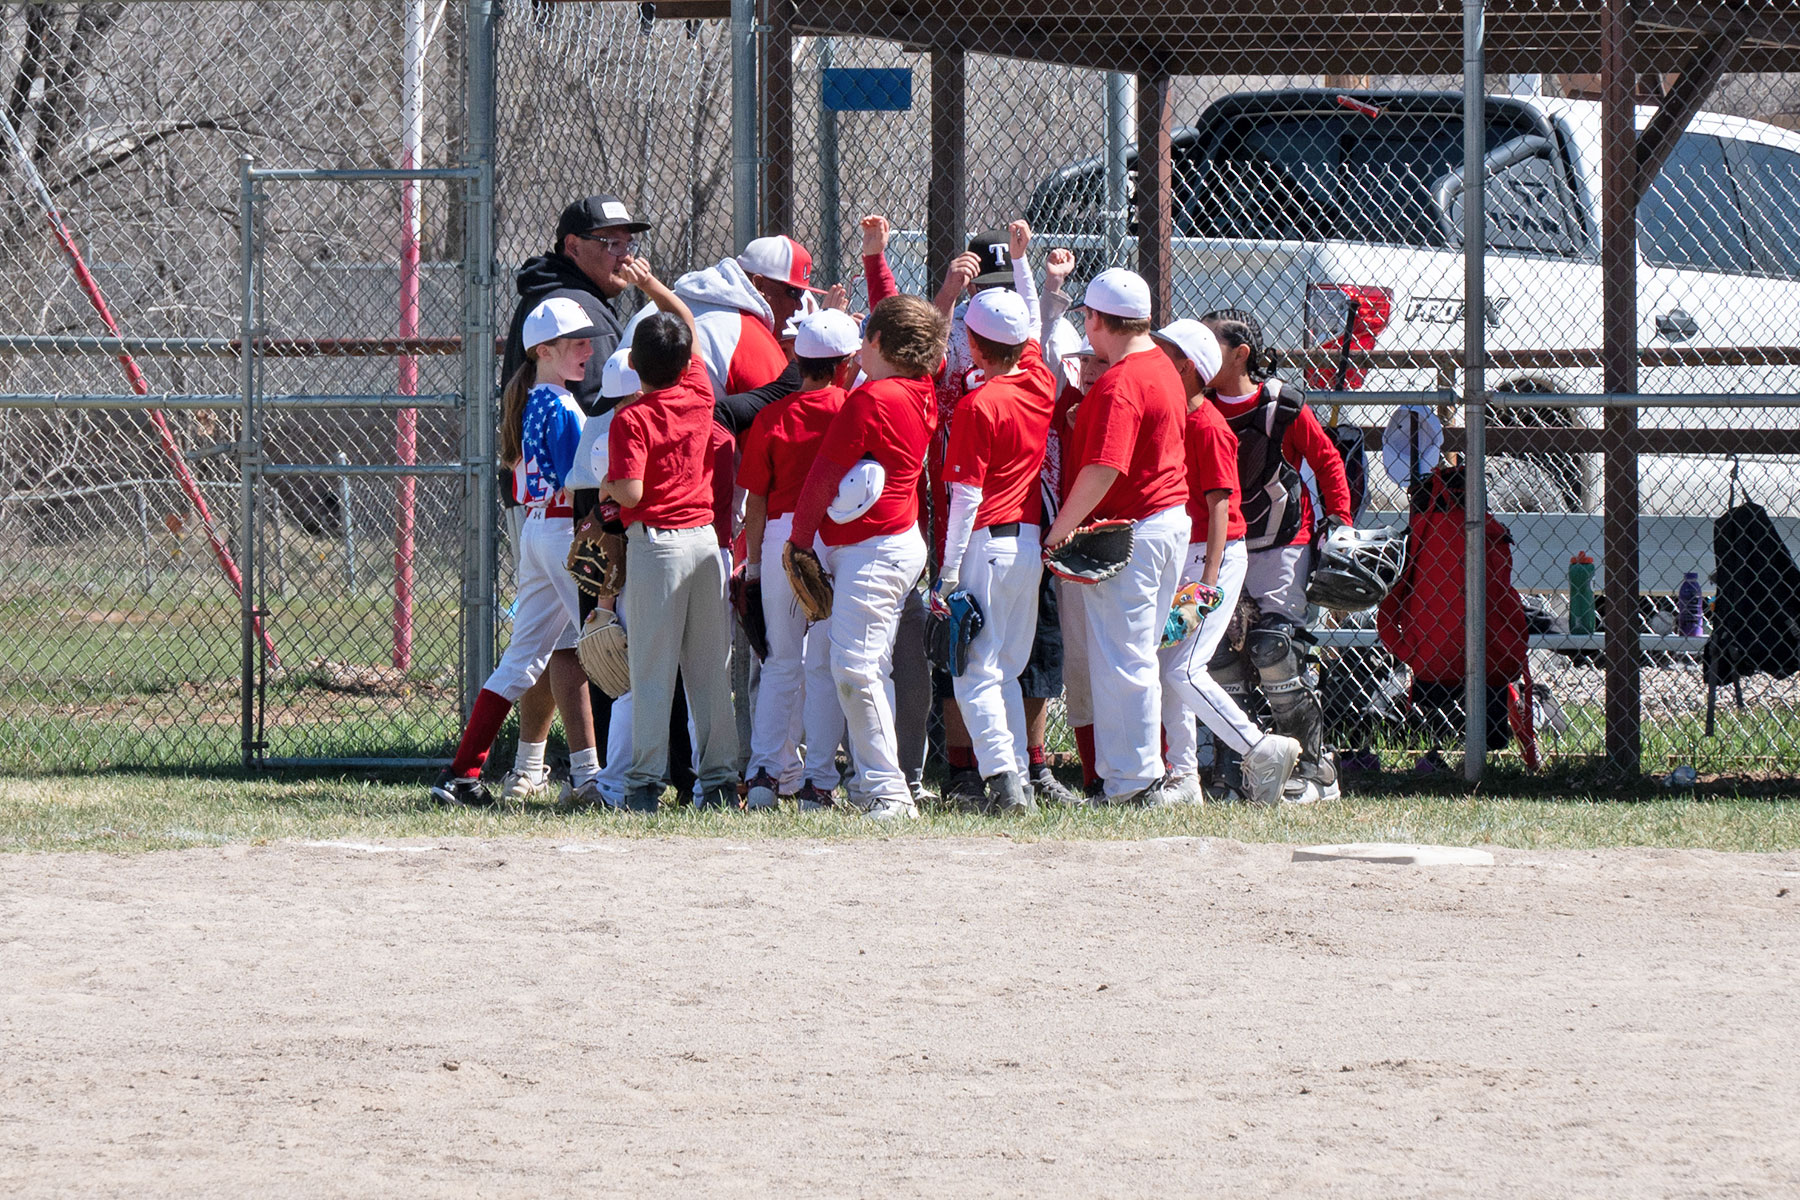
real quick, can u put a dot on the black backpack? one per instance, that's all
(1268, 485)
(1756, 615)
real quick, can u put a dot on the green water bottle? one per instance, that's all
(1581, 594)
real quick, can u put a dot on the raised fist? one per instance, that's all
(875, 230)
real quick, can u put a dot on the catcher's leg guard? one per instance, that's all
(1227, 669)
(1293, 704)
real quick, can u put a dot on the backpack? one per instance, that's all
(1421, 620)
(1756, 614)
(1351, 449)
(1269, 486)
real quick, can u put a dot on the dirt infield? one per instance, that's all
(906, 1018)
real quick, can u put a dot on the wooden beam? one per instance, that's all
(778, 118)
(946, 215)
(1155, 193)
(1696, 83)
(1619, 359)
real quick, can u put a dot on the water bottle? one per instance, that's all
(1581, 595)
(1687, 606)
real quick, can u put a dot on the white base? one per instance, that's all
(1398, 853)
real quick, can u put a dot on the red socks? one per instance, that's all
(1084, 745)
(1035, 755)
(485, 720)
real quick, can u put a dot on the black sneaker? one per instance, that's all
(813, 799)
(465, 790)
(1050, 789)
(965, 789)
(1094, 793)
(762, 791)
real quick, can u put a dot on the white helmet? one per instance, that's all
(1356, 568)
(857, 494)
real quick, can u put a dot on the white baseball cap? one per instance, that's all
(999, 315)
(557, 317)
(1118, 293)
(1197, 342)
(857, 494)
(827, 333)
(617, 379)
(779, 258)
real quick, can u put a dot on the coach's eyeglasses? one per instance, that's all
(620, 246)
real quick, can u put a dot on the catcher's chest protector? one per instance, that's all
(1270, 487)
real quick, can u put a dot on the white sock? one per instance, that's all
(529, 761)
(584, 765)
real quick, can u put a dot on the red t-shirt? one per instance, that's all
(890, 421)
(1133, 420)
(1212, 453)
(997, 441)
(781, 443)
(1305, 441)
(1068, 397)
(665, 438)
(757, 359)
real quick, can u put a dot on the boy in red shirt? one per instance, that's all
(1216, 561)
(876, 555)
(1129, 458)
(992, 466)
(660, 456)
(796, 698)
(1277, 432)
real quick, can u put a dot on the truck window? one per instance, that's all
(1690, 220)
(1768, 180)
(1336, 175)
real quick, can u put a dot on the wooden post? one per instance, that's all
(1619, 357)
(1155, 192)
(946, 216)
(778, 119)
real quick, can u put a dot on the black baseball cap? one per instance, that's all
(992, 246)
(596, 212)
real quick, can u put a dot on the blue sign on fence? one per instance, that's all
(868, 89)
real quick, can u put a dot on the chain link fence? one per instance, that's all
(1311, 175)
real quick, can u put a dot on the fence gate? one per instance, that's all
(356, 481)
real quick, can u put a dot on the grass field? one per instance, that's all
(126, 812)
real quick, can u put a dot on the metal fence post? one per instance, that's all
(1474, 388)
(1120, 99)
(831, 250)
(744, 173)
(249, 450)
(480, 503)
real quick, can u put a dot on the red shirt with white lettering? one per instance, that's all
(1133, 420)
(1212, 454)
(997, 441)
(782, 442)
(891, 421)
(665, 438)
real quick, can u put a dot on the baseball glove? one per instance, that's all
(1092, 553)
(951, 623)
(746, 602)
(597, 555)
(1193, 604)
(602, 653)
(810, 579)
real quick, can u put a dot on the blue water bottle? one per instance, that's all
(1687, 607)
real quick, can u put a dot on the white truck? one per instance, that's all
(1290, 203)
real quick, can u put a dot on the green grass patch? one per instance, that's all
(130, 812)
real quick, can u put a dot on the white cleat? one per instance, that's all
(1267, 767)
(516, 787)
(1302, 791)
(1183, 791)
(893, 810)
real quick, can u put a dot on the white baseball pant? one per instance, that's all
(1276, 579)
(1188, 690)
(1071, 614)
(546, 613)
(870, 580)
(1002, 574)
(796, 699)
(1125, 617)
